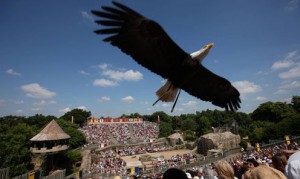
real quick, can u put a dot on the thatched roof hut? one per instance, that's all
(51, 139)
(51, 132)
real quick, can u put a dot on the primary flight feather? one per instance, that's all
(150, 46)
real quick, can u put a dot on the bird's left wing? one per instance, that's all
(143, 39)
(208, 86)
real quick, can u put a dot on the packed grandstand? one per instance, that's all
(111, 142)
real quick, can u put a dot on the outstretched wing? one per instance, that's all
(208, 86)
(143, 39)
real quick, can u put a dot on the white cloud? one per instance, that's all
(104, 98)
(129, 75)
(128, 99)
(83, 72)
(288, 61)
(103, 66)
(292, 85)
(19, 111)
(282, 64)
(281, 91)
(165, 105)
(292, 5)
(190, 104)
(176, 109)
(65, 110)
(34, 90)
(292, 54)
(82, 107)
(291, 73)
(286, 100)
(44, 103)
(104, 83)
(87, 16)
(261, 98)
(246, 87)
(12, 72)
(287, 86)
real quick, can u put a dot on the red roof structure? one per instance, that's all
(51, 132)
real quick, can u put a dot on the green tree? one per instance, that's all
(38, 121)
(162, 116)
(132, 115)
(77, 138)
(176, 123)
(204, 125)
(273, 112)
(80, 116)
(296, 103)
(14, 148)
(189, 124)
(165, 129)
(189, 135)
(74, 155)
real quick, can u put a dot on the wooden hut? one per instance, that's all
(52, 139)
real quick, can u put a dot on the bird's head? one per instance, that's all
(201, 54)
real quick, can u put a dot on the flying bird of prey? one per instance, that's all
(150, 46)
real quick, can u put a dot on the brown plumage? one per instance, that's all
(150, 46)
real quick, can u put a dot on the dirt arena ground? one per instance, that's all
(166, 154)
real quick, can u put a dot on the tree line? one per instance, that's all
(270, 120)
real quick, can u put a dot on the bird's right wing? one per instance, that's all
(208, 86)
(143, 39)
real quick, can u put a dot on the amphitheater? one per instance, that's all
(125, 147)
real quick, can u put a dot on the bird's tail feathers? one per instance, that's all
(168, 92)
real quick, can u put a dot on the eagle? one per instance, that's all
(150, 46)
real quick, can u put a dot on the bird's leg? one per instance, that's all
(176, 100)
(159, 98)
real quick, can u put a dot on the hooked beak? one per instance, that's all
(210, 45)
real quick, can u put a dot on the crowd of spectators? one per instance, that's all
(103, 133)
(108, 165)
(275, 157)
(95, 134)
(145, 131)
(120, 132)
(270, 162)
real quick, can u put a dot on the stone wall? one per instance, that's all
(219, 140)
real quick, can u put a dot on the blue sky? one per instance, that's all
(52, 62)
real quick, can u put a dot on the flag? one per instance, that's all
(287, 139)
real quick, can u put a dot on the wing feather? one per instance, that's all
(141, 38)
(208, 86)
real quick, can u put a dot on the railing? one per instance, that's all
(24, 176)
(4, 173)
